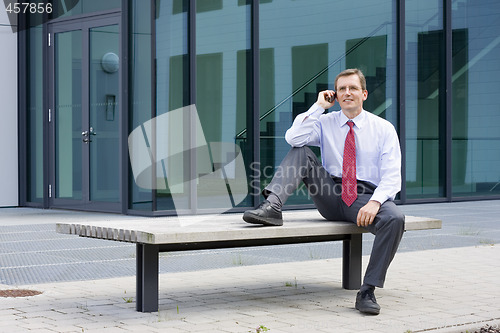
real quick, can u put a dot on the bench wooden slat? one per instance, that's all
(227, 227)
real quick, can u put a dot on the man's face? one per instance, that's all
(350, 94)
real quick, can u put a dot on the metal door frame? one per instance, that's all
(84, 24)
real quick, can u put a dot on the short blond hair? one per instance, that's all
(352, 71)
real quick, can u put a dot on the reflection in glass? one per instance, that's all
(223, 71)
(104, 114)
(140, 76)
(475, 113)
(303, 48)
(68, 114)
(35, 118)
(172, 93)
(425, 112)
(65, 8)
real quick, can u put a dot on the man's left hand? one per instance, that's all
(367, 213)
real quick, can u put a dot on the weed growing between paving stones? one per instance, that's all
(127, 299)
(260, 329)
(291, 284)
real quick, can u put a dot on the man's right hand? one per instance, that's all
(324, 97)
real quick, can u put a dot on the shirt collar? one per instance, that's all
(358, 121)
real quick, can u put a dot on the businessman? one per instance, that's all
(357, 179)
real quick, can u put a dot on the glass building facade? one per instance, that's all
(166, 107)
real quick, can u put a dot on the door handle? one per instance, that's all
(87, 135)
(86, 138)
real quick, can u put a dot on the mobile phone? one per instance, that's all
(330, 99)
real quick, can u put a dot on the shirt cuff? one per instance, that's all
(380, 197)
(315, 111)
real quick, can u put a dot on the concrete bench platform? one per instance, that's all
(201, 232)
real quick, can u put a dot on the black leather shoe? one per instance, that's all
(264, 214)
(367, 303)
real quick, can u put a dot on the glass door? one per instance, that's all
(103, 126)
(84, 62)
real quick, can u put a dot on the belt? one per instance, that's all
(364, 187)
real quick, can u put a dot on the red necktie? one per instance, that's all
(349, 193)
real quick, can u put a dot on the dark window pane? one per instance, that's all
(172, 94)
(140, 87)
(476, 116)
(223, 88)
(425, 110)
(304, 45)
(35, 116)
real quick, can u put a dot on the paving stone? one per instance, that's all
(435, 284)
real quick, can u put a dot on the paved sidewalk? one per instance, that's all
(442, 281)
(445, 290)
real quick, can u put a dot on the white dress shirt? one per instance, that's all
(378, 155)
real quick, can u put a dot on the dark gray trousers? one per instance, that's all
(302, 165)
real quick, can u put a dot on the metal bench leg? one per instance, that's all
(351, 264)
(147, 278)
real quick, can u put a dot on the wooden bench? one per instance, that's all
(201, 232)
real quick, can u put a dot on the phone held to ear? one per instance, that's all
(331, 99)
